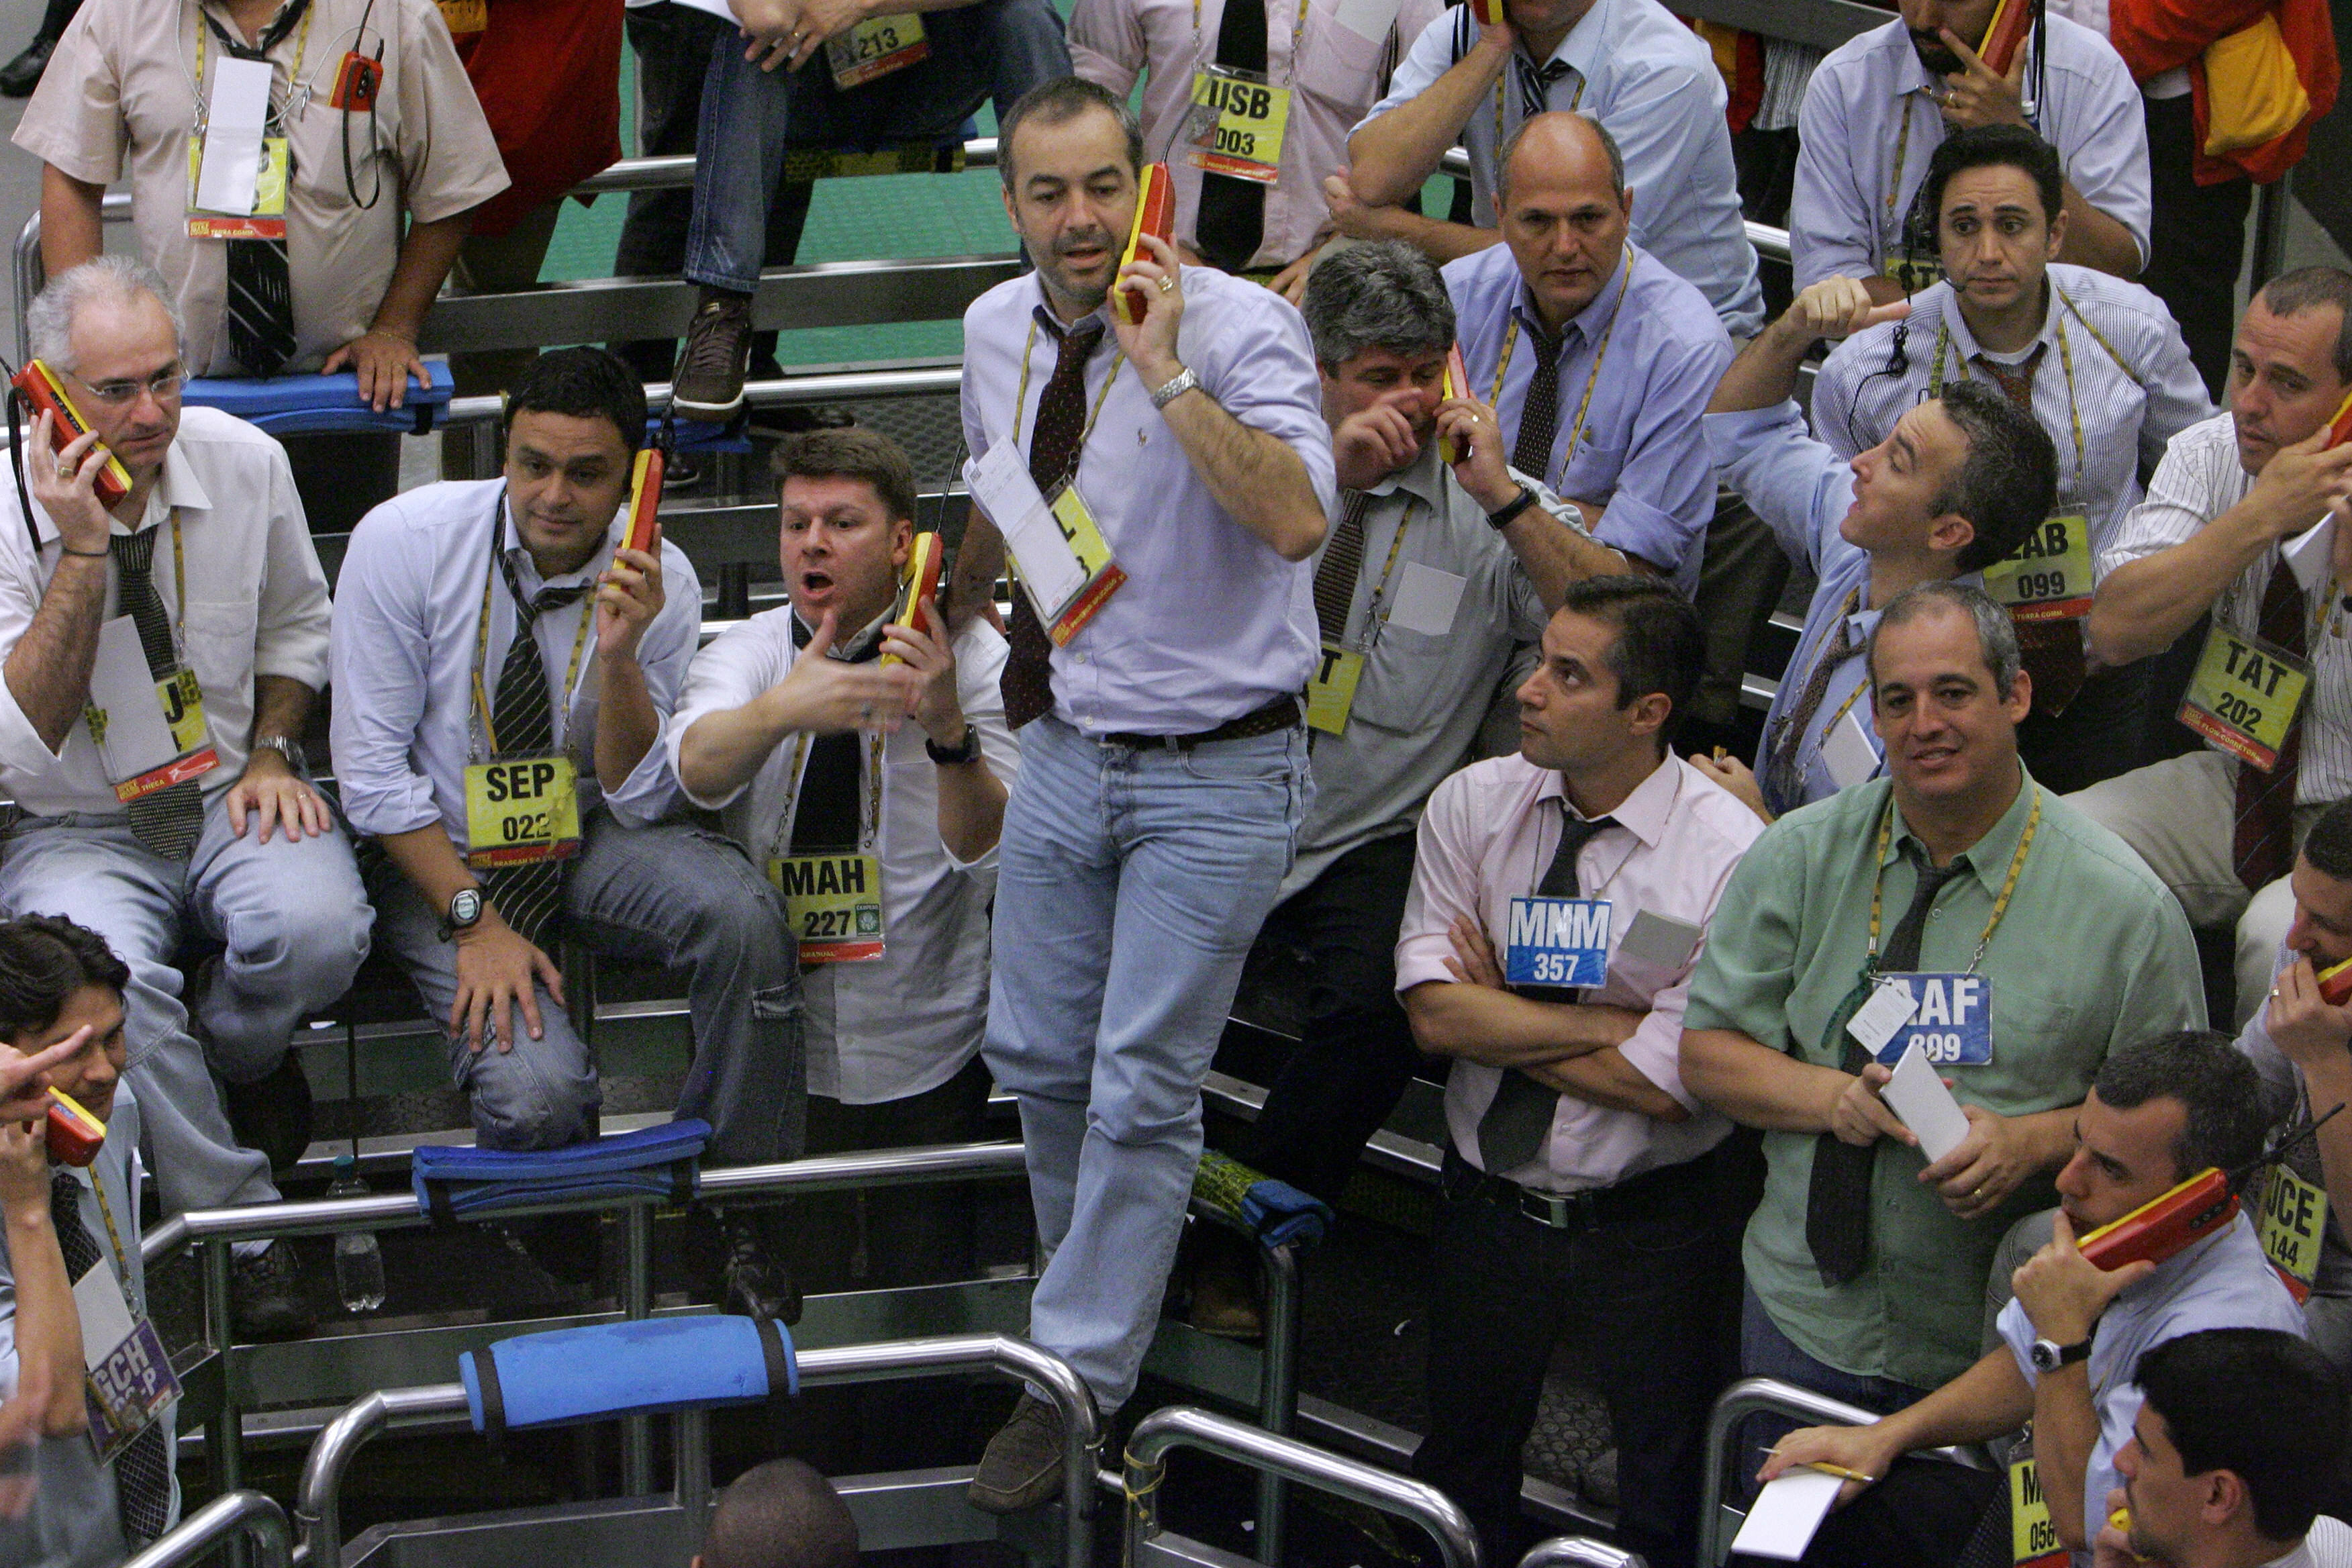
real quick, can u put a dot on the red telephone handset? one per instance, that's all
(2163, 1226)
(43, 390)
(2339, 428)
(1456, 384)
(1489, 13)
(919, 580)
(2012, 20)
(644, 499)
(74, 1134)
(1155, 214)
(2336, 983)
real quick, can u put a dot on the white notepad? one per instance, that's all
(1787, 1513)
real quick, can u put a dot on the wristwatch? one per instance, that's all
(287, 747)
(2049, 1355)
(1509, 512)
(1176, 386)
(464, 912)
(966, 751)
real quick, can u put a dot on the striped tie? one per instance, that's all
(1787, 778)
(260, 296)
(172, 819)
(142, 1472)
(1336, 573)
(528, 896)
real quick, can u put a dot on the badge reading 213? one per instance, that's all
(1558, 941)
(1952, 1018)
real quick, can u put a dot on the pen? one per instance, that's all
(1840, 1472)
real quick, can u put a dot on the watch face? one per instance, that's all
(465, 908)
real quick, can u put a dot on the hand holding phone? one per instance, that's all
(44, 392)
(1155, 214)
(2163, 1226)
(75, 1135)
(919, 580)
(644, 499)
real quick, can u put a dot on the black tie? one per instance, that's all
(260, 298)
(142, 1472)
(1232, 221)
(1336, 573)
(1027, 682)
(529, 894)
(1539, 410)
(824, 813)
(1512, 1131)
(1837, 1204)
(172, 819)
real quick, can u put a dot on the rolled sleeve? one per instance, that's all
(735, 669)
(75, 122)
(1445, 887)
(1790, 480)
(1106, 44)
(449, 161)
(380, 663)
(1746, 970)
(2171, 514)
(292, 631)
(2109, 164)
(23, 753)
(1829, 215)
(1664, 495)
(1263, 374)
(1654, 1048)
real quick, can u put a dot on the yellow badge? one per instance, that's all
(873, 47)
(1078, 531)
(2033, 1538)
(465, 16)
(1332, 692)
(1237, 125)
(268, 219)
(2244, 696)
(521, 809)
(2048, 577)
(833, 903)
(2294, 1217)
(183, 709)
(1913, 275)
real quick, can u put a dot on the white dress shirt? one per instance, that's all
(1846, 209)
(908, 1020)
(1211, 623)
(1653, 83)
(1334, 58)
(1488, 836)
(256, 602)
(2114, 376)
(404, 724)
(2200, 478)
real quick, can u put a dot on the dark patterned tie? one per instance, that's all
(2052, 650)
(1513, 1130)
(1232, 221)
(172, 819)
(1028, 680)
(1336, 573)
(1535, 86)
(1788, 779)
(142, 1472)
(528, 896)
(260, 297)
(2263, 845)
(1837, 1204)
(824, 813)
(1539, 410)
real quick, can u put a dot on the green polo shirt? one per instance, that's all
(2092, 955)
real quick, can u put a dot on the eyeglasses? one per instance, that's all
(165, 383)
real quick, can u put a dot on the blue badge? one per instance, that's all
(1558, 941)
(1952, 1018)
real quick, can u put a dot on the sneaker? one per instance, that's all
(1022, 1466)
(758, 1282)
(272, 1114)
(20, 75)
(709, 384)
(265, 1300)
(1225, 1298)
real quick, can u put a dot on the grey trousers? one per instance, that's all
(673, 895)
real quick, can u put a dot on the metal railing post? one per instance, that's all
(238, 1517)
(691, 1466)
(637, 1303)
(1579, 1551)
(225, 1433)
(1277, 1388)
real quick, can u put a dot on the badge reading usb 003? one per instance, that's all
(2010, 21)
(1155, 214)
(74, 1134)
(1455, 385)
(2163, 1226)
(920, 579)
(42, 389)
(644, 499)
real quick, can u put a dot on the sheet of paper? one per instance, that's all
(1847, 752)
(137, 737)
(1426, 599)
(1918, 1096)
(1786, 1514)
(1370, 19)
(999, 479)
(2308, 554)
(1657, 939)
(231, 170)
(1874, 1022)
(105, 1315)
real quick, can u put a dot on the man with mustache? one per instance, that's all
(2220, 825)
(1880, 103)
(1163, 471)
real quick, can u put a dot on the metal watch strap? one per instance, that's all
(1183, 381)
(287, 747)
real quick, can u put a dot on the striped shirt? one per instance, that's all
(2200, 478)
(2114, 385)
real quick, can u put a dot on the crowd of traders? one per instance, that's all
(1426, 671)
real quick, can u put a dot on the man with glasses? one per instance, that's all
(159, 659)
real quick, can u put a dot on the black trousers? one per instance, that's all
(1643, 1291)
(1356, 1053)
(2097, 737)
(2197, 240)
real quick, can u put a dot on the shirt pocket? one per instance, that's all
(1339, 66)
(216, 640)
(1404, 689)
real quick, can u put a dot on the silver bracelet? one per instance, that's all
(1184, 381)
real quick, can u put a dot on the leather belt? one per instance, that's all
(1636, 1197)
(1282, 714)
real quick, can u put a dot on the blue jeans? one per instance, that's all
(995, 49)
(1766, 1352)
(1130, 886)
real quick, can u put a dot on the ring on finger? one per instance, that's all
(1167, 285)
(66, 472)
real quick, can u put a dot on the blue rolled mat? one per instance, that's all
(569, 1375)
(658, 1160)
(299, 405)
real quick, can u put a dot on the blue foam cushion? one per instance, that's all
(296, 404)
(625, 1369)
(621, 1165)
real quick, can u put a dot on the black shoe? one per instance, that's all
(273, 1114)
(758, 1282)
(793, 419)
(1022, 1466)
(20, 75)
(708, 387)
(555, 1257)
(265, 1300)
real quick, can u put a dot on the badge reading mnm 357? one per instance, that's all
(1556, 941)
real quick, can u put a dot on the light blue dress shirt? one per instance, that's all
(1635, 69)
(1846, 212)
(1660, 352)
(1211, 623)
(408, 603)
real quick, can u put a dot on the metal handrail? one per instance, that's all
(318, 1506)
(248, 1514)
(1186, 1427)
(1580, 1552)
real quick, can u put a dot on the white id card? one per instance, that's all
(1426, 599)
(999, 479)
(230, 176)
(1918, 1096)
(1874, 1022)
(1847, 754)
(1659, 939)
(105, 1315)
(138, 737)
(2310, 554)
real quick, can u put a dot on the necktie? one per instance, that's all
(2263, 845)
(1539, 410)
(528, 896)
(142, 1472)
(1027, 682)
(1513, 1130)
(260, 296)
(1788, 780)
(1232, 221)
(1837, 1205)
(172, 819)
(824, 813)
(1342, 562)
(2052, 650)
(1535, 86)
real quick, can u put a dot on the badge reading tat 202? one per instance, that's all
(1951, 1018)
(2244, 696)
(1558, 941)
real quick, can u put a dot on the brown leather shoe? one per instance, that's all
(1022, 1466)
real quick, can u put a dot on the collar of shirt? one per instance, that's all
(1964, 338)
(1644, 813)
(1423, 478)
(1059, 328)
(1586, 326)
(1989, 856)
(850, 650)
(1580, 51)
(177, 486)
(1908, 76)
(527, 568)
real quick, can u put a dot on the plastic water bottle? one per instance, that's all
(359, 1262)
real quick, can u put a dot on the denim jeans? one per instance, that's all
(1766, 1352)
(671, 895)
(293, 924)
(1130, 885)
(993, 50)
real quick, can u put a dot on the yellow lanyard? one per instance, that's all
(1893, 225)
(1592, 379)
(522, 629)
(1509, 69)
(1373, 619)
(2066, 358)
(106, 1213)
(1298, 36)
(293, 73)
(1021, 395)
(2000, 906)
